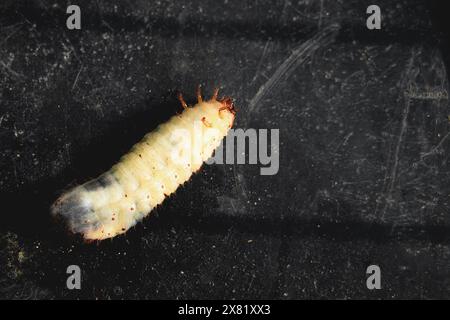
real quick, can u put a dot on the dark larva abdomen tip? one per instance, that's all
(76, 216)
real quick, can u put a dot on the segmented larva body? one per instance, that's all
(153, 169)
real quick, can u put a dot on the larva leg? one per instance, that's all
(199, 94)
(112, 203)
(183, 103)
(215, 94)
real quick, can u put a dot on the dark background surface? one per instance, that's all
(364, 170)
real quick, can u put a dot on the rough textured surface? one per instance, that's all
(364, 155)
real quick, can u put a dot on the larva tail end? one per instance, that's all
(60, 226)
(72, 215)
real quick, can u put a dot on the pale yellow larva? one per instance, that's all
(153, 169)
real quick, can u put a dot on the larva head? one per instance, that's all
(218, 114)
(226, 111)
(227, 104)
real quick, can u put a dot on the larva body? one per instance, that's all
(153, 169)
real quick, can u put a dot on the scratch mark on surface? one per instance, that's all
(436, 148)
(76, 78)
(392, 177)
(344, 141)
(297, 57)
(16, 28)
(320, 14)
(11, 71)
(15, 174)
(263, 55)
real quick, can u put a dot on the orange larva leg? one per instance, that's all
(215, 94)
(183, 103)
(199, 94)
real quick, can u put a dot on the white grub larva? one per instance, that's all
(153, 169)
